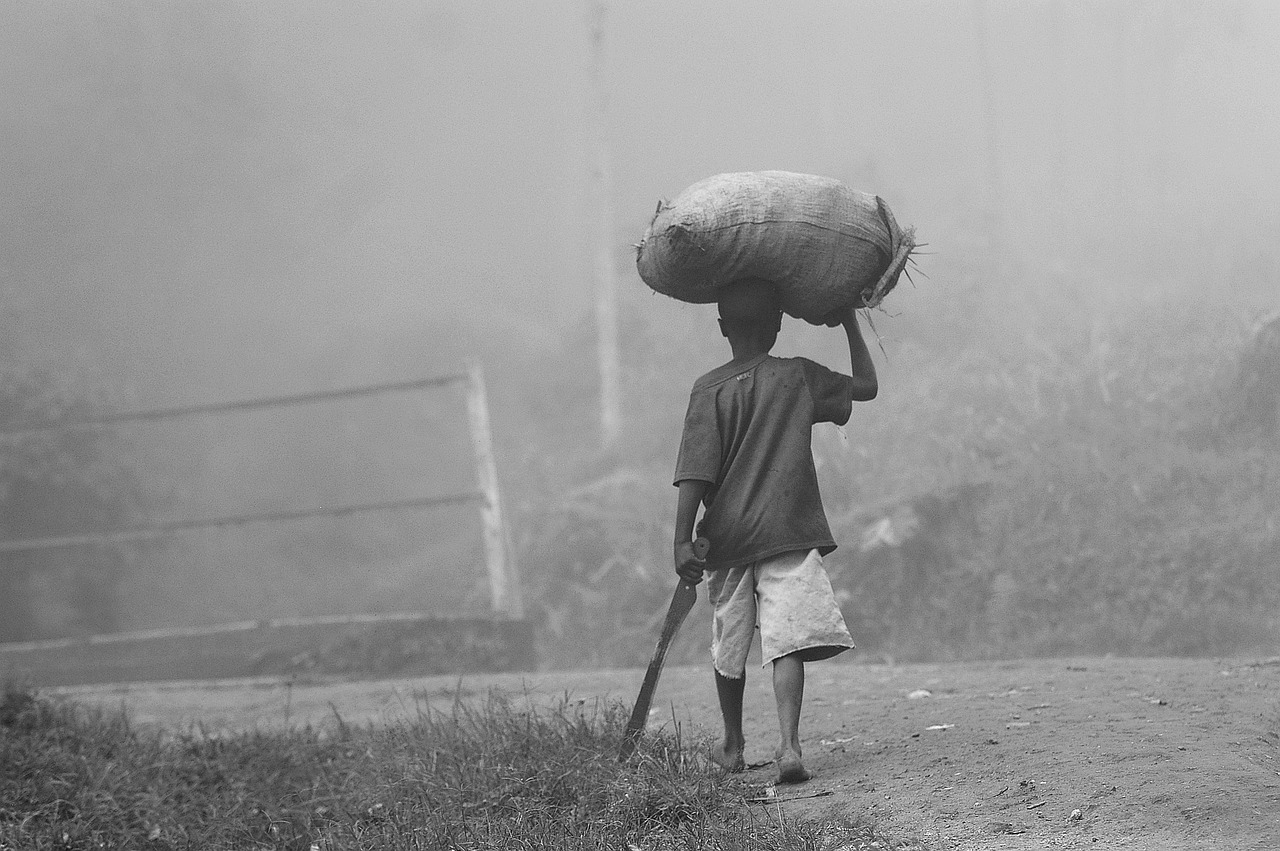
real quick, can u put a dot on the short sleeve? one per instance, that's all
(832, 393)
(699, 457)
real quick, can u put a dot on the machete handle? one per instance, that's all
(701, 546)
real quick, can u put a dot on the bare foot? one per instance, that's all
(791, 769)
(730, 759)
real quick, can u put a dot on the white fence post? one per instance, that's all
(504, 581)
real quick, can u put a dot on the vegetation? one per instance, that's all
(1076, 497)
(485, 775)
(1103, 481)
(1049, 468)
(56, 483)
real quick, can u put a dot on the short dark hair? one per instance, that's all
(749, 300)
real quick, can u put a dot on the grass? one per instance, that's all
(484, 775)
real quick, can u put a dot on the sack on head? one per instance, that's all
(824, 245)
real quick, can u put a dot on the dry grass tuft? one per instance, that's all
(488, 774)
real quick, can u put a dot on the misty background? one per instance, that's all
(209, 202)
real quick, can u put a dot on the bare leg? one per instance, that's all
(729, 754)
(788, 691)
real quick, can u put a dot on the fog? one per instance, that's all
(215, 201)
(201, 197)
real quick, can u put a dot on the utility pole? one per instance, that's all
(1120, 85)
(602, 253)
(991, 130)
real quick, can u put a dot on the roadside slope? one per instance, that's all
(1080, 753)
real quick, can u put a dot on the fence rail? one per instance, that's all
(504, 583)
(27, 429)
(14, 647)
(163, 530)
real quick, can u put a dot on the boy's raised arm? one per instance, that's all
(688, 565)
(863, 370)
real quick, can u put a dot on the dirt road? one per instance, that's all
(1081, 753)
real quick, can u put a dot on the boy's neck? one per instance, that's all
(748, 349)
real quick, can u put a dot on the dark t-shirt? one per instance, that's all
(747, 433)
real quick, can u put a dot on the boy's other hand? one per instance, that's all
(688, 565)
(838, 317)
(847, 316)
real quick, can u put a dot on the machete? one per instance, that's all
(681, 602)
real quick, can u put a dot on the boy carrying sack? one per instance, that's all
(745, 455)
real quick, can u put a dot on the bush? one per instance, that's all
(1075, 490)
(56, 483)
(1086, 505)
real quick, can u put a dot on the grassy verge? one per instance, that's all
(484, 775)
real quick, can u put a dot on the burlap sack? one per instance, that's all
(824, 245)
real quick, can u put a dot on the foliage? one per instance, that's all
(1077, 489)
(483, 775)
(56, 483)
(1109, 517)
(598, 572)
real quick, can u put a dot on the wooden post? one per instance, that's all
(504, 581)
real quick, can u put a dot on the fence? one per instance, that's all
(505, 598)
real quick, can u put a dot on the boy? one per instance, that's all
(745, 454)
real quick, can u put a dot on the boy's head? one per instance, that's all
(749, 309)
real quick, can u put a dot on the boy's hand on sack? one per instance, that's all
(688, 565)
(838, 317)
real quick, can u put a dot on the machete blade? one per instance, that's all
(681, 602)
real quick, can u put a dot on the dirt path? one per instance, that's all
(1090, 753)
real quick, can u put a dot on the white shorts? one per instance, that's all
(789, 597)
